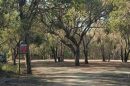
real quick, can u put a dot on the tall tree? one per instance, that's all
(73, 19)
(27, 15)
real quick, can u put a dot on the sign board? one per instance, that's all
(23, 48)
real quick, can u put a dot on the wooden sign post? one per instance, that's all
(22, 50)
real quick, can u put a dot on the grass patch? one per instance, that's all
(9, 67)
(8, 70)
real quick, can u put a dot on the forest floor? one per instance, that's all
(96, 73)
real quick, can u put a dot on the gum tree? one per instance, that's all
(71, 20)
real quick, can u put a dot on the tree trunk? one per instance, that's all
(126, 59)
(103, 57)
(55, 59)
(14, 56)
(77, 57)
(28, 60)
(85, 51)
(54, 53)
(61, 53)
(122, 54)
(103, 53)
(126, 55)
(86, 57)
(28, 63)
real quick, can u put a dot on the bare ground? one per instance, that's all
(96, 73)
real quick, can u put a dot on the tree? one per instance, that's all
(26, 17)
(119, 21)
(9, 26)
(86, 41)
(73, 20)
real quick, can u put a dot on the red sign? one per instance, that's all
(23, 48)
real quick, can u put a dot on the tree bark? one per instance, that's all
(109, 57)
(122, 54)
(126, 55)
(54, 53)
(14, 56)
(85, 51)
(28, 60)
(61, 52)
(103, 53)
(103, 58)
(77, 56)
(86, 57)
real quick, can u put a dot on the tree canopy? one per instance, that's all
(53, 28)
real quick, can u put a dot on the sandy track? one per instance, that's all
(48, 73)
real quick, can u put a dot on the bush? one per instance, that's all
(9, 68)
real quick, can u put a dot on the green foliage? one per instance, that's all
(9, 68)
(71, 13)
(37, 39)
(119, 17)
(68, 54)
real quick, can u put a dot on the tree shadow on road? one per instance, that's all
(73, 79)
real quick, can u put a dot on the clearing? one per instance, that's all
(96, 73)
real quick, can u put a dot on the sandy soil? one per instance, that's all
(96, 73)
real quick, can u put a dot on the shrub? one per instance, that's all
(10, 68)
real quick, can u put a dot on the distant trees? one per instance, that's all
(119, 21)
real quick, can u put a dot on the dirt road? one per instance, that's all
(48, 73)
